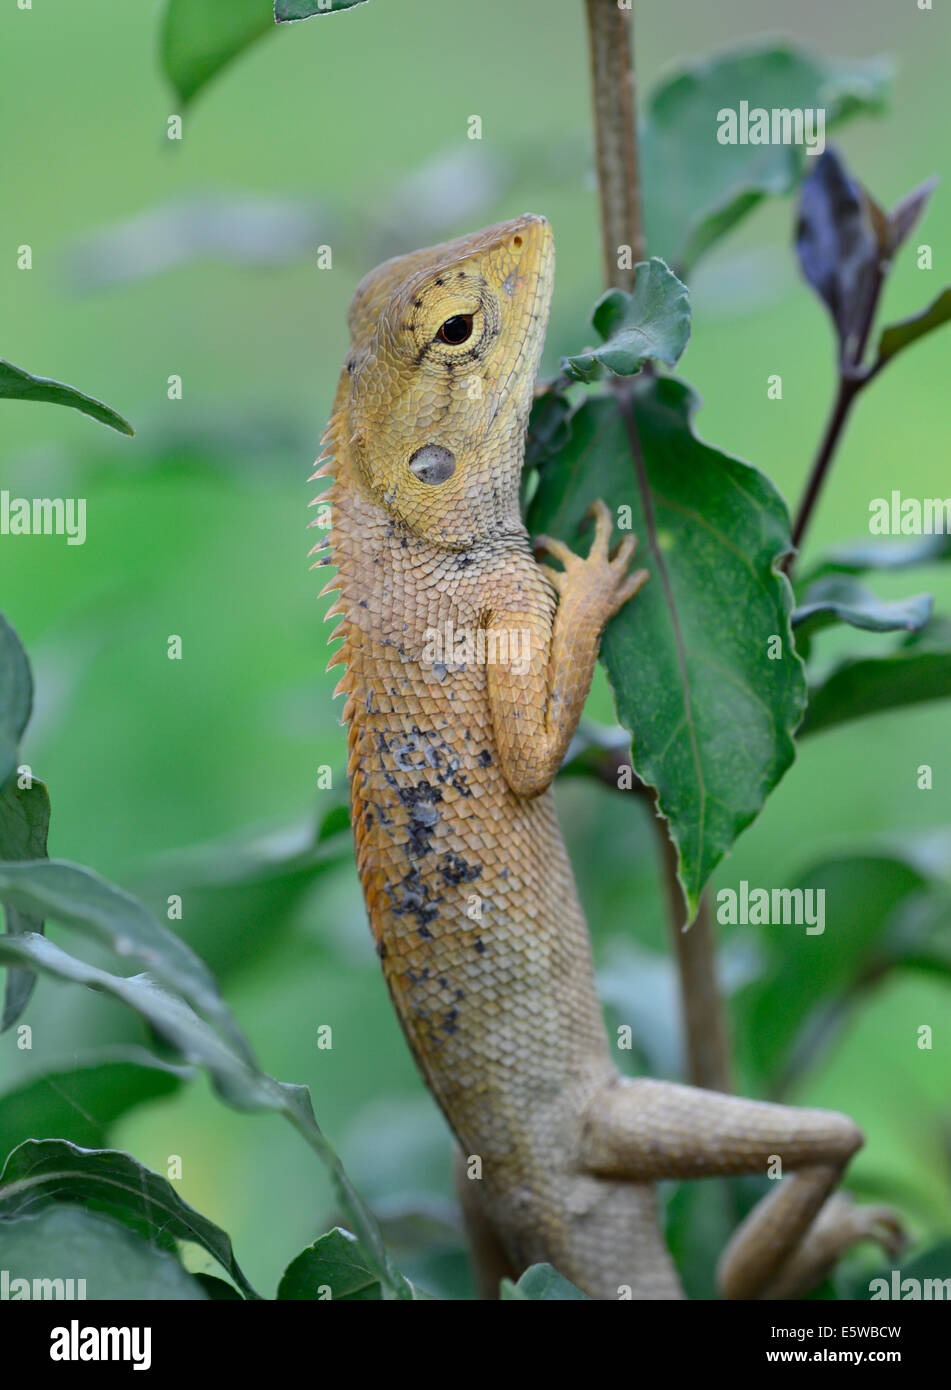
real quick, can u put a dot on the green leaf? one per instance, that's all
(24, 826)
(898, 336)
(334, 1267)
(41, 1171)
(877, 912)
(236, 1079)
(16, 697)
(542, 1283)
(862, 556)
(839, 599)
(82, 1101)
(711, 714)
(287, 10)
(651, 323)
(66, 1242)
(931, 1265)
(24, 811)
(16, 384)
(917, 671)
(78, 898)
(200, 37)
(695, 188)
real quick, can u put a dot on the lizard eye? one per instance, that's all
(456, 330)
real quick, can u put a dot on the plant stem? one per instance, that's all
(615, 122)
(851, 381)
(848, 390)
(610, 31)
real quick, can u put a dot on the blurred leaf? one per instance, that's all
(931, 1264)
(651, 323)
(287, 10)
(229, 887)
(542, 1283)
(78, 1244)
(695, 188)
(917, 670)
(904, 217)
(24, 826)
(78, 898)
(241, 229)
(844, 600)
(200, 37)
(411, 1223)
(898, 336)
(838, 249)
(16, 384)
(235, 1076)
(81, 1102)
(790, 1015)
(711, 715)
(335, 1262)
(43, 1171)
(882, 555)
(24, 811)
(219, 1290)
(16, 697)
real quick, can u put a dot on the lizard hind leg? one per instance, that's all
(646, 1130)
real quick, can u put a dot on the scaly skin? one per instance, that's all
(467, 883)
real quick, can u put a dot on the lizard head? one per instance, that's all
(438, 383)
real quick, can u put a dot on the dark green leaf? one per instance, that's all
(19, 385)
(81, 1102)
(841, 599)
(41, 1171)
(287, 10)
(61, 1242)
(542, 1283)
(219, 1290)
(24, 826)
(16, 697)
(696, 188)
(651, 323)
(234, 1076)
(900, 335)
(931, 1269)
(838, 248)
(549, 427)
(78, 898)
(334, 1267)
(710, 712)
(916, 671)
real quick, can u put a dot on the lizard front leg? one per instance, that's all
(536, 703)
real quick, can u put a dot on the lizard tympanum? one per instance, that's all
(467, 666)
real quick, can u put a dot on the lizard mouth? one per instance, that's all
(531, 237)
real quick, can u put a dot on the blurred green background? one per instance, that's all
(196, 527)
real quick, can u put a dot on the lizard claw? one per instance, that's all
(556, 549)
(600, 513)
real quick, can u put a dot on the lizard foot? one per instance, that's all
(599, 585)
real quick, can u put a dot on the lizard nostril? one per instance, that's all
(517, 241)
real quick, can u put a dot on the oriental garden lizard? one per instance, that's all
(467, 666)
